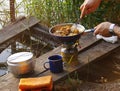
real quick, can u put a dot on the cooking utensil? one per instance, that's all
(89, 30)
(64, 39)
(75, 25)
(73, 38)
(21, 63)
(79, 21)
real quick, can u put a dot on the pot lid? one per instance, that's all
(20, 57)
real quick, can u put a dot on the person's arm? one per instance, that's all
(104, 29)
(89, 6)
(117, 30)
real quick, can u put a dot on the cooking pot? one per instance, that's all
(72, 38)
(21, 63)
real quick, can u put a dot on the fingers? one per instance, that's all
(96, 32)
(81, 7)
(90, 10)
(83, 11)
(101, 31)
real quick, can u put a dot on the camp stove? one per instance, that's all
(69, 52)
(69, 49)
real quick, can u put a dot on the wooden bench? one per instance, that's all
(91, 50)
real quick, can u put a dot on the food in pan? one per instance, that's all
(66, 30)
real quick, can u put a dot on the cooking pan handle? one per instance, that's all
(89, 30)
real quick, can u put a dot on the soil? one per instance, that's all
(103, 75)
(75, 85)
(88, 86)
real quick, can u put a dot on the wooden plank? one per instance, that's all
(86, 41)
(10, 83)
(85, 45)
(18, 27)
(94, 52)
(43, 35)
(5, 45)
(107, 67)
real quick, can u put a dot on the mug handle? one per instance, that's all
(44, 65)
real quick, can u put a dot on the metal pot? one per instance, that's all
(21, 63)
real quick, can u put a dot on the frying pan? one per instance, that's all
(67, 39)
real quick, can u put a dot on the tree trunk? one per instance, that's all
(12, 19)
(12, 10)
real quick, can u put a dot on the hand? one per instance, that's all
(103, 29)
(89, 6)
